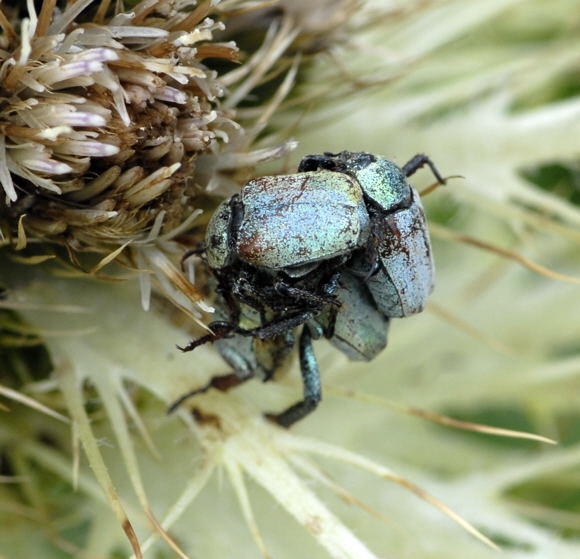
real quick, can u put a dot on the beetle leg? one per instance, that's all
(329, 330)
(305, 295)
(233, 306)
(331, 284)
(243, 370)
(221, 382)
(416, 162)
(279, 325)
(219, 329)
(286, 344)
(311, 383)
(243, 289)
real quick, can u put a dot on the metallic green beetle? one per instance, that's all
(337, 248)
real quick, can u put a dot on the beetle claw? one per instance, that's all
(416, 162)
(220, 329)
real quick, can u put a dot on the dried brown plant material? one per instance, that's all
(104, 116)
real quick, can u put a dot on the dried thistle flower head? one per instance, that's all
(104, 113)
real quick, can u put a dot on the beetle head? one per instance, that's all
(346, 162)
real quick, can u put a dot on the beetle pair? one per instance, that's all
(339, 248)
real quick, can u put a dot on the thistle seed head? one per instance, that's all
(103, 116)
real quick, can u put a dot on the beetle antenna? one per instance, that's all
(192, 252)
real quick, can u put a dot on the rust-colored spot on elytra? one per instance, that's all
(253, 248)
(300, 192)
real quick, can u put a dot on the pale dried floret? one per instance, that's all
(123, 91)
